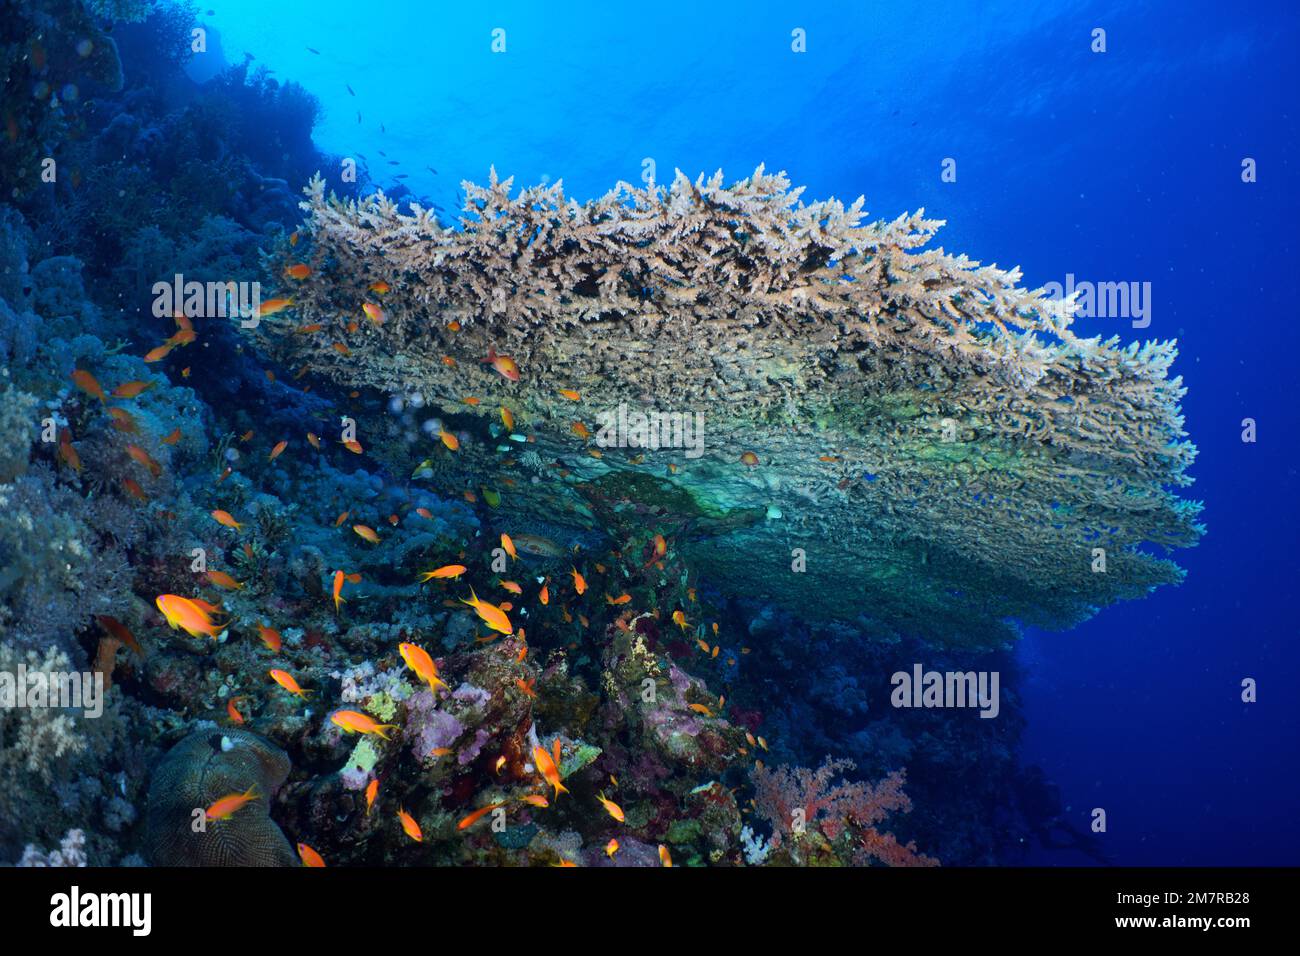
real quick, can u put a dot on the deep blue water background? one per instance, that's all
(1120, 166)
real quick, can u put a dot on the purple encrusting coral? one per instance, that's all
(428, 727)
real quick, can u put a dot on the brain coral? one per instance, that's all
(946, 452)
(198, 771)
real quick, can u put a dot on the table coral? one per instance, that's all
(945, 450)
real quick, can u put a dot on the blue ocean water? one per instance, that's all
(1115, 166)
(1076, 165)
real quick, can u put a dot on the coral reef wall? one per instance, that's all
(902, 453)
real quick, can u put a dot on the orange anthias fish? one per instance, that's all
(355, 722)
(612, 808)
(172, 437)
(507, 419)
(446, 571)
(581, 430)
(527, 686)
(665, 857)
(579, 582)
(679, 618)
(571, 394)
(379, 286)
(227, 806)
(477, 815)
(536, 800)
(157, 354)
(373, 312)
(611, 848)
(503, 364)
(366, 532)
(232, 710)
(509, 547)
(310, 858)
(223, 580)
(512, 587)
(749, 458)
(141, 456)
(550, 772)
(270, 637)
(277, 450)
(448, 439)
(133, 489)
(193, 617)
(225, 518)
(621, 599)
(418, 660)
(272, 306)
(489, 614)
(120, 631)
(410, 826)
(67, 452)
(372, 791)
(338, 590)
(132, 389)
(287, 681)
(298, 270)
(544, 595)
(88, 384)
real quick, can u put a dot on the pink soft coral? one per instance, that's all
(836, 805)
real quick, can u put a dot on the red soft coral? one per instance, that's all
(784, 795)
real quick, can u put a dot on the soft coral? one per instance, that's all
(784, 794)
